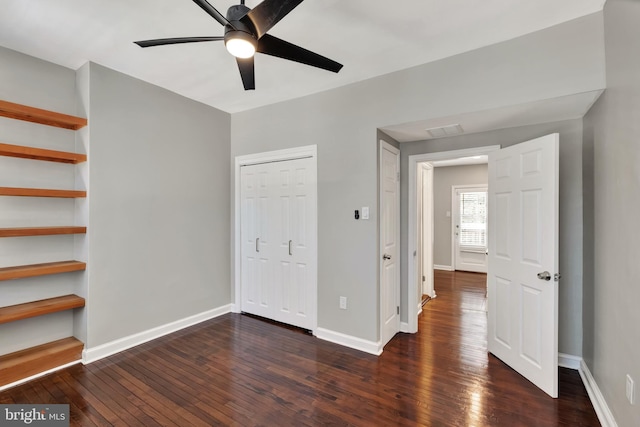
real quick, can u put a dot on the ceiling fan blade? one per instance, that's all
(206, 6)
(269, 13)
(245, 65)
(178, 40)
(274, 46)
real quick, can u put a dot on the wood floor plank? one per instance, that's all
(245, 371)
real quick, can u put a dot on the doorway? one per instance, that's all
(414, 242)
(523, 257)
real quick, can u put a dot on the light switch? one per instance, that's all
(448, 214)
(365, 212)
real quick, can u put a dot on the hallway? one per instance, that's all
(480, 389)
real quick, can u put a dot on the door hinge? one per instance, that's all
(398, 309)
(398, 176)
(424, 279)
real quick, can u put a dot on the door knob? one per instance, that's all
(545, 275)
(386, 256)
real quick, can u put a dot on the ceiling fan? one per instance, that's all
(245, 33)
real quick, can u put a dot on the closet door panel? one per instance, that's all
(303, 290)
(282, 278)
(255, 233)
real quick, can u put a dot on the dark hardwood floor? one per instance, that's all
(240, 370)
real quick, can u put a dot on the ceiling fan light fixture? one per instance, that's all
(240, 44)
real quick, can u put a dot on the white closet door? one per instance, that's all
(279, 220)
(257, 239)
(294, 286)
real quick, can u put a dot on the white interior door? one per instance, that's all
(470, 228)
(278, 235)
(389, 241)
(523, 259)
(256, 235)
(295, 291)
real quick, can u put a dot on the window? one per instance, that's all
(473, 219)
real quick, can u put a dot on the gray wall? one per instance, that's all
(443, 179)
(570, 305)
(557, 61)
(612, 187)
(158, 182)
(159, 207)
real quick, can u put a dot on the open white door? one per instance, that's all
(523, 259)
(389, 241)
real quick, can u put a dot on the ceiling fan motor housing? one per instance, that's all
(238, 29)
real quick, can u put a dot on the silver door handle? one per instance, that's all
(257, 243)
(545, 275)
(386, 256)
(290, 252)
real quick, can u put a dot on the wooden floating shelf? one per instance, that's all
(23, 152)
(40, 308)
(32, 361)
(41, 231)
(42, 192)
(32, 270)
(37, 115)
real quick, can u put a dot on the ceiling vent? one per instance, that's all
(443, 131)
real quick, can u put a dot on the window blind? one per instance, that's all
(473, 219)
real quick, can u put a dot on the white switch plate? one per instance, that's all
(448, 214)
(630, 390)
(365, 212)
(343, 303)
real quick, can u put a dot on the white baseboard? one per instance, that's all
(597, 399)
(349, 341)
(442, 267)
(569, 361)
(404, 326)
(96, 353)
(38, 375)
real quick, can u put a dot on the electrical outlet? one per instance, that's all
(343, 303)
(630, 390)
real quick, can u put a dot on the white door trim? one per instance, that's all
(386, 146)
(425, 226)
(252, 159)
(455, 211)
(412, 218)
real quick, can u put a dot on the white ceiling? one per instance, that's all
(370, 37)
(462, 161)
(548, 110)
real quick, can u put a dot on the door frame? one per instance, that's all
(425, 224)
(308, 151)
(382, 146)
(455, 209)
(412, 222)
